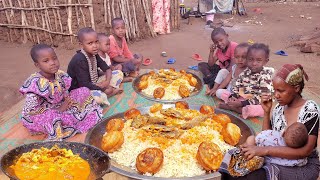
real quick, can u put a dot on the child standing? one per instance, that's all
(83, 67)
(49, 107)
(119, 51)
(220, 57)
(253, 81)
(224, 89)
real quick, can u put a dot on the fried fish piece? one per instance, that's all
(194, 122)
(161, 130)
(112, 141)
(139, 121)
(171, 112)
(209, 156)
(149, 161)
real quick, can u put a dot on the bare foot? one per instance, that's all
(134, 74)
(116, 91)
(127, 79)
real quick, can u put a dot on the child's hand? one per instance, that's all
(266, 102)
(250, 151)
(67, 103)
(213, 47)
(211, 92)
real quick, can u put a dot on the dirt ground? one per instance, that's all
(277, 25)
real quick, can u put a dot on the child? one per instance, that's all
(240, 56)
(119, 51)
(220, 57)
(295, 136)
(49, 108)
(253, 81)
(83, 67)
(104, 46)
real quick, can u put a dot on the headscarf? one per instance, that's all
(292, 74)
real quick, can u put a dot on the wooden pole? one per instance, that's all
(91, 14)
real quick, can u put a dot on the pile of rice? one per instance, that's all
(179, 154)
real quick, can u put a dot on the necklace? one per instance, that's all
(93, 68)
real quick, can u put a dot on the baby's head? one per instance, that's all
(88, 39)
(45, 58)
(104, 42)
(240, 54)
(296, 135)
(257, 57)
(220, 38)
(118, 27)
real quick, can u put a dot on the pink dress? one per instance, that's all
(161, 16)
(43, 97)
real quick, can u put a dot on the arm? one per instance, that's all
(226, 81)
(120, 59)
(212, 55)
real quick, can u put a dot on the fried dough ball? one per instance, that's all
(152, 73)
(223, 119)
(142, 84)
(182, 105)
(172, 69)
(112, 141)
(183, 72)
(115, 125)
(158, 93)
(131, 113)
(209, 156)
(193, 81)
(231, 134)
(156, 107)
(184, 91)
(144, 78)
(205, 109)
(149, 161)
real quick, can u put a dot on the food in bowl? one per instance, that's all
(178, 133)
(54, 163)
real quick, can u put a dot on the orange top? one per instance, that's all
(115, 50)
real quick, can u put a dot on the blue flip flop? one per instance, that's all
(281, 53)
(171, 61)
(193, 67)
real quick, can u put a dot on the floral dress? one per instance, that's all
(43, 97)
(161, 16)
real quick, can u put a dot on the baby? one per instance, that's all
(295, 136)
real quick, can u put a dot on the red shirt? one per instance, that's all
(228, 55)
(115, 50)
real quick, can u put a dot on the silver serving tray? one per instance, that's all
(196, 91)
(94, 137)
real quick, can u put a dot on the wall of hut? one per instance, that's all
(56, 22)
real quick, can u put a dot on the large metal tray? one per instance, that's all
(196, 91)
(94, 138)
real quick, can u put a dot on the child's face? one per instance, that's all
(119, 29)
(221, 41)
(283, 92)
(47, 61)
(240, 56)
(90, 43)
(256, 59)
(104, 44)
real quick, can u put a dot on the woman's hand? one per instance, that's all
(266, 102)
(250, 151)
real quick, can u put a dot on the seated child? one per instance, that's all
(220, 57)
(224, 89)
(83, 67)
(50, 109)
(254, 80)
(119, 51)
(104, 46)
(295, 136)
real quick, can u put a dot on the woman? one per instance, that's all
(288, 84)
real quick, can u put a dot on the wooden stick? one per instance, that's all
(77, 15)
(69, 20)
(25, 39)
(55, 17)
(109, 13)
(32, 4)
(113, 12)
(83, 17)
(91, 14)
(105, 11)
(15, 26)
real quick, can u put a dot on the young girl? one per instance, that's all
(240, 57)
(254, 80)
(119, 51)
(49, 107)
(288, 85)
